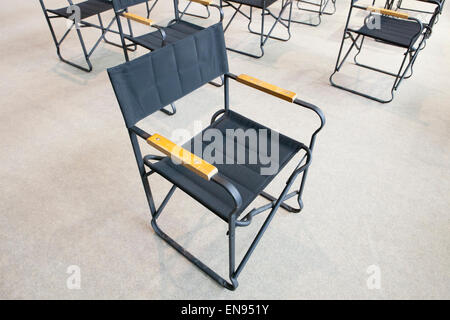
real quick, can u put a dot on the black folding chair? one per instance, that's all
(263, 5)
(390, 4)
(78, 13)
(395, 29)
(318, 7)
(212, 175)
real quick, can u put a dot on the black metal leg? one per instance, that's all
(399, 76)
(105, 30)
(122, 38)
(203, 267)
(233, 271)
(217, 84)
(149, 9)
(268, 35)
(263, 37)
(380, 70)
(322, 6)
(184, 12)
(262, 230)
(170, 113)
(73, 64)
(83, 46)
(58, 43)
(284, 205)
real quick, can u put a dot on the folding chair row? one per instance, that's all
(386, 27)
(78, 13)
(176, 29)
(212, 173)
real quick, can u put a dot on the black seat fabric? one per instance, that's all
(392, 30)
(440, 1)
(247, 178)
(253, 3)
(174, 32)
(87, 9)
(123, 4)
(156, 79)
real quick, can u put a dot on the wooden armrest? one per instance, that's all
(180, 155)
(135, 17)
(267, 87)
(387, 12)
(203, 2)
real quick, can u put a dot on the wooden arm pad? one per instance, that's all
(135, 17)
(267, 87)
(182, 156)
(203, 2)
(387, 12)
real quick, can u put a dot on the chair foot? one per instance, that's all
(379, 70)
(170, 113)
(218, 84)
(203, 267)
(269, 36)
(247, 53)
(73, 64)
(304, 22)
(361, 93)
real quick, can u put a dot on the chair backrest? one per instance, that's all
(123, 4)
(152, 81)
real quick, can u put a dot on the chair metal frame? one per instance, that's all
(321, 10)
(265, 11)
(105, 28)
(145, 169)
(184, 12)
(407, 63)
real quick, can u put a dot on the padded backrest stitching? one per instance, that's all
(156, 81)
(198, 59)
(178, 70)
